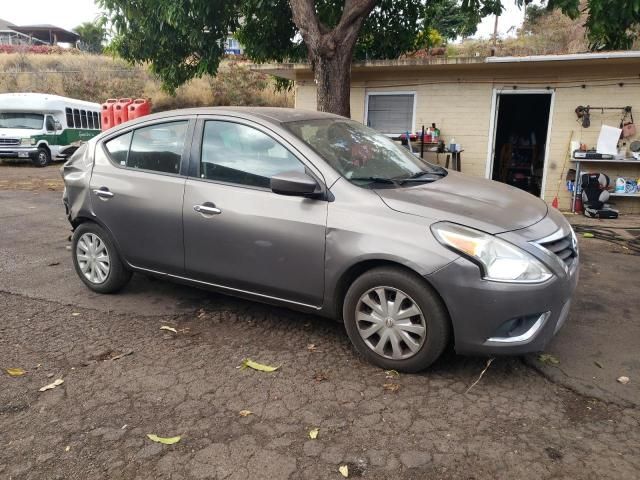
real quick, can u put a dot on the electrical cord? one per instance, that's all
(608, 234)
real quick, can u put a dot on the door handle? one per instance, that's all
(103, 192)
(207, 209)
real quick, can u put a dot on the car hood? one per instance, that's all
(489, 206)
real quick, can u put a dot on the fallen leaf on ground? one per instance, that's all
(67, 448)
(53, 385)
(391, 373)
(320, 377)
(171, 329)
(344, 470)
(245, 413)
(312, 347)
(313, 434)
(624, 380)
(598, 364)
(124, 354)
(75, 314)
(588, 235)
(53, 264)
(258, 366)
(548, 358)
(163, 440)
(391, 387)
(15, 372)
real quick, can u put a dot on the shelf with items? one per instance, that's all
(614, 161)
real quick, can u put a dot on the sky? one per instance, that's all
(70, 13)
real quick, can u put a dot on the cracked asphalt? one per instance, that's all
(125, 378)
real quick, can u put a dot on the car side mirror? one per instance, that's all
(294, 184)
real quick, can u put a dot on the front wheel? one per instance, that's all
(395, 319)
(96, 259)
(43, 157)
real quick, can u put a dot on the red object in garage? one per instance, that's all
(121, 111)
(139, 108)
(107, 113)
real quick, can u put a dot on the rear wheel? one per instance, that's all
(43, 157)
(396, 320)
(96, 260)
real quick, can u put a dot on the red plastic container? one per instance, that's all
(107, 114)
(121, 111)
(139, 108)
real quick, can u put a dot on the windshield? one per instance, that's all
(32, 121)
(362, 155)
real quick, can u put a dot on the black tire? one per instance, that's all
(433, 311)
(118, 275)
(43, 157)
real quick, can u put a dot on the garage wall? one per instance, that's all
(462, 108)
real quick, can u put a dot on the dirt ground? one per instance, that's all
(125, 378)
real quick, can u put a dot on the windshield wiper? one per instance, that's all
(388, 181)
(422, 176)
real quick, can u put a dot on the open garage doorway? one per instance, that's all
(521, 128)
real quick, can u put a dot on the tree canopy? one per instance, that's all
(92, 35)
(182, 39)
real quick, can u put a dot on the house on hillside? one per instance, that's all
(35, 34)
(514, 117)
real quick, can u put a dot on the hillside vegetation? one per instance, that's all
(98, 77)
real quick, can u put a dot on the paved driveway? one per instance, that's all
(125, 378)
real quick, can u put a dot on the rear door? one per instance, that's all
(249, 238)
(137, 187)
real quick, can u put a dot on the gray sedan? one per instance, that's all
(320, 213)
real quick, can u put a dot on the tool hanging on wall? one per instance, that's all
(584, 114)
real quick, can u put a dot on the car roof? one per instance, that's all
(270, 114)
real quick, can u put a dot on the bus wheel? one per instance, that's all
(43, 158)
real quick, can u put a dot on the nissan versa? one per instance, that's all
(320, 213)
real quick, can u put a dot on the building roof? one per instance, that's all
(4, 25)
(47, 33)
(292, 70)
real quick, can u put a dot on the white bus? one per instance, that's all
(44, 127)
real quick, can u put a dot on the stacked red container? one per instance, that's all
(139, 108)
(107, 114)
(121, 111)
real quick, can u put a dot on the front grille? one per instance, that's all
(9, 141)
(563, 248)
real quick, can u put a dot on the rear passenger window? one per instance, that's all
(83, 116)
(239, 154)
(158, 147)
(118, 148)
(69, 117)
(76, 117)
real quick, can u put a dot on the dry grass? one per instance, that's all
(97, 77)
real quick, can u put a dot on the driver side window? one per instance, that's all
(236, 153)
(49, 124)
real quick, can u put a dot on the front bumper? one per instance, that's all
(18, 152)
(479, 308)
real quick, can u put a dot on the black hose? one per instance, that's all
(608, 235)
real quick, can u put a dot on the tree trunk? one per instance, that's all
(333, 82)
(330, 51)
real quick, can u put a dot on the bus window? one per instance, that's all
(69, 117)
(90, 120)
(96, 120)
(83, 117)
(76, 117)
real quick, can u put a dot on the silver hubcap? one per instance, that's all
(390, 323)
(93, 258)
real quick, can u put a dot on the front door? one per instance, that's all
(237, 232)
(137, 190)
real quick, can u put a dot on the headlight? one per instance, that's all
(27, 142)
(499, 260)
